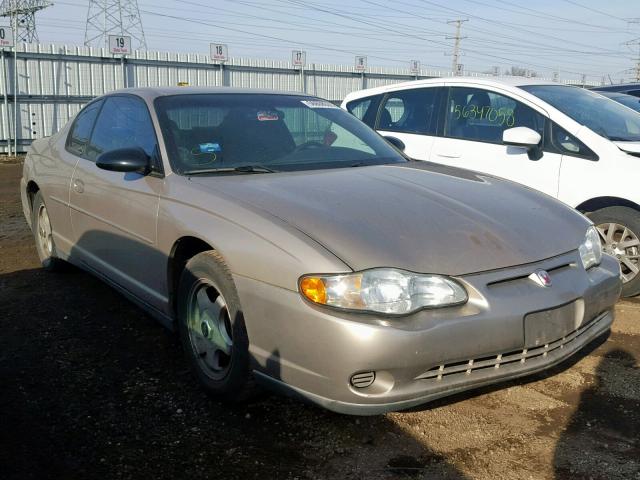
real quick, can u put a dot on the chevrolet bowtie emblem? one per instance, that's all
(541, 277)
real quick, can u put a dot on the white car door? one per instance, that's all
(411, 116)
(474, 120)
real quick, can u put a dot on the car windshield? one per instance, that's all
(262, 133)
(602, 115)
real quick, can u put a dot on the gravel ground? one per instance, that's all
(92, 387)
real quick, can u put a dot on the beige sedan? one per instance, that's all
(291, 245)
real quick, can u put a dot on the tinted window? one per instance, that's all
(567, 144)
(359, 107)
(635, 93)
(410, 111)
(123, 122)
(365, 109)
(280, 132)
(81, 129)
(602, 115)
(481, 115)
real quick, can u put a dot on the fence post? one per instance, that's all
(5, 93)
(15, 86)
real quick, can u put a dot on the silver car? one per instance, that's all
(292, 246)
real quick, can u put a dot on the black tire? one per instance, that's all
(627, 217)
(48, 257)
(235, 384)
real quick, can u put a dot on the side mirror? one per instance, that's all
(395, 141)
(125, 160)
(524, 137)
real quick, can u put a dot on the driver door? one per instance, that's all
(114, 214)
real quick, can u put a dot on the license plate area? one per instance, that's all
(547, 326)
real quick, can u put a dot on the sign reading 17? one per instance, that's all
(500, 116)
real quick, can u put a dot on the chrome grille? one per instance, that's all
(468, 367)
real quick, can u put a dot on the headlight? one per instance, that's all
(591, 248)
(382, 290)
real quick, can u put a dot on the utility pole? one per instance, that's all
(114, 17)
(23, 17)
(456, 47)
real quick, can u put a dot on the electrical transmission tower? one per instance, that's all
(23, 17)
(456, 48)
(114, 17)
(635, 43)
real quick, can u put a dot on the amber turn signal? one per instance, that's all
(313, 288)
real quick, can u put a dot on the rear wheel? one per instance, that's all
(619, 229)
(212, 329)
(43, 234)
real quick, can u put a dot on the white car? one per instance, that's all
(571, 143)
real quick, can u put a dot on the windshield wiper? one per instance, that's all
(239, 169)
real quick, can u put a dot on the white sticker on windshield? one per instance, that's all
(318, 104)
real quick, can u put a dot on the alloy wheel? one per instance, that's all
(622, 243)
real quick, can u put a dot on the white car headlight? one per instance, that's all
(382, 290)
(591, 248)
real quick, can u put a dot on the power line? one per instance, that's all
(591, 9)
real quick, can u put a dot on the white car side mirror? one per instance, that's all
(521, 137)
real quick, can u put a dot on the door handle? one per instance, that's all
(448, 155)
(78, 185)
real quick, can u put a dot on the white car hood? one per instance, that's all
(629, 147)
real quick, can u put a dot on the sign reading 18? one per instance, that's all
(219, 50)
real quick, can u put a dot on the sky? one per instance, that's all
(573, 37)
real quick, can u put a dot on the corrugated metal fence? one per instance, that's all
(54, 82)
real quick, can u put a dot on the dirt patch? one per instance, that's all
(94, 388)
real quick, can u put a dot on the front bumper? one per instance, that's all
(510, 327)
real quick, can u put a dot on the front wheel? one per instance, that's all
(212, 330)
(619, 229)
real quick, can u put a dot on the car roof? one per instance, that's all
(151, 93)
(620, 87)
(510, 82)
(614, 94)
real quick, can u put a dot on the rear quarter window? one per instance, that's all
(365, 109)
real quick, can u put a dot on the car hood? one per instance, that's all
(629, 147)
(416, 216)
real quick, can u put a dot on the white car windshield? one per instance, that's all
(602, 115)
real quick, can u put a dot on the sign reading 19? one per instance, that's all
(501, 116)
(120, 42)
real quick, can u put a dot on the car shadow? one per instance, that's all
(93, 387)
